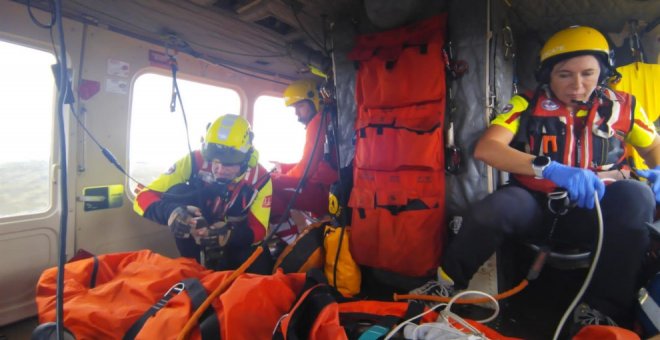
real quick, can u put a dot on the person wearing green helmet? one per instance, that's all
(215, 200)
(567, 135)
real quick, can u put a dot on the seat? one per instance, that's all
(561, 257)
(565, 258)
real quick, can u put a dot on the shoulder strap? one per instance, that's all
(195, 159)
(521, 135)
(209, 326)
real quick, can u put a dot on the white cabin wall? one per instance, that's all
(108, 117)
(29, 243)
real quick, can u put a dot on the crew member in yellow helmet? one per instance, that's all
(303, 96)
(566, 137)
(215, 200)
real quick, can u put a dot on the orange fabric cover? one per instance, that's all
(598, 332)
(402, 66)
(249, 309)
(127, 284)
(398, 221)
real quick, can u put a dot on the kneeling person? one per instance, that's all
(215, 200)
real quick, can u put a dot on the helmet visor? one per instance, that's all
(226, 155)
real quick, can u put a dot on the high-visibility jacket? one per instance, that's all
(549, 129)
(246, 198)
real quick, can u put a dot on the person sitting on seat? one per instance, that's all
(303, 95)
(566, 134)
(215, 200)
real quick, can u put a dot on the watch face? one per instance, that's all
(541, 161)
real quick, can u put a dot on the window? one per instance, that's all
(278, 136)
(26, 129)
(158, 136)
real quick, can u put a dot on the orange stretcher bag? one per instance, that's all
(402, 66)
(249, 309)
(398, 220)
(411, 136)
(105, 295)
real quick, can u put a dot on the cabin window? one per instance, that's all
(157, 135)
(278, 136)
(26, 129)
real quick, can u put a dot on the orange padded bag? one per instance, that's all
(411, 136)
(105, 295)
(402, 66)
(398, 220)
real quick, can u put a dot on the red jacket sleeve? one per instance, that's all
(310, 137)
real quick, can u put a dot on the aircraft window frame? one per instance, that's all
(274, 133)
(52, 203)
(189, 103)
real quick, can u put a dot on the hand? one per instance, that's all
(580, 183)
(226, 233)
(183, 219)
(652, 175)
(217, 235)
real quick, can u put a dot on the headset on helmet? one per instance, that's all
(305, 89)
(575, 41)
(229, 140)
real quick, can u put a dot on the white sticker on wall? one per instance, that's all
(116, 86)
(118, 68)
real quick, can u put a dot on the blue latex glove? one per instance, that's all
(580, 183)
(652, 175)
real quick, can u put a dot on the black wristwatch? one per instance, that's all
(539, 164)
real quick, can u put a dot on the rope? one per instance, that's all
(192, 322)
(443, 299)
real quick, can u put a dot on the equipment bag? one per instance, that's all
(305, 252)
(320, 314)
(398, 220)
(249, 309)
(402, 66)
(105, 295)
(412, 136)
(340, 269)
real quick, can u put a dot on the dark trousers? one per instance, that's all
(515, 213)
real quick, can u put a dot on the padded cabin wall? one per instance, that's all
(468, 33)
(343, 34)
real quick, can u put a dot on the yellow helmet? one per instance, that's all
(305, 89)
(574, 41)
(229, 139)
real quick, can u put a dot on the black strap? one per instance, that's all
(414, 308)
(303, 318)
(95, 271)
(208, 322)
(209, 325)
(315, 295)
(521, 138)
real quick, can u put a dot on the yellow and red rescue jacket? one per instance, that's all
(543, 126)
(247, 196)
